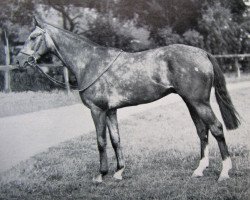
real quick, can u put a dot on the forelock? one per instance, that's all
(38, 31)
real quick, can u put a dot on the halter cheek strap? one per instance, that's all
(56, 51)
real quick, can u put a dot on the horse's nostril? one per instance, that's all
(18, 64)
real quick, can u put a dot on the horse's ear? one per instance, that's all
(38, 22)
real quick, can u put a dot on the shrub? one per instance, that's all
(193, 38)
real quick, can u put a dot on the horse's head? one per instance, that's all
(38, 43)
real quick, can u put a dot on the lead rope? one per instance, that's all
(60, 83)
(86, 87)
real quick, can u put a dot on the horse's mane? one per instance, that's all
(73, 35)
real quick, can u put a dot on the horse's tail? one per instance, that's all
(229, 114)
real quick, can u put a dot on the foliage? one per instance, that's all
(165, 36)
(16, 17)
(193, 38)
(103, 32)
(112, 32)
(237, 7)
(221, 33)
(32, 80)
(180, 15)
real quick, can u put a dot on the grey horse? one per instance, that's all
(109, 79)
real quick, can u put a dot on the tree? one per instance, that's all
(236, 7)
(104, 32)
(16, 17)
(71, 12)
(165, 36)
(193, 38)
(180, 15)
(221, 33)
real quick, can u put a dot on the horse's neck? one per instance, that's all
(74, 52)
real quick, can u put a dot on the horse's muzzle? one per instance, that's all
(29, 62)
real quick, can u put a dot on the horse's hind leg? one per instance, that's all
(202, 131)
(115, 141)
(207, 115)
(99, 118)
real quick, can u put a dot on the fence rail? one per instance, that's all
(236, 60)
(45, 67)
(233, 55)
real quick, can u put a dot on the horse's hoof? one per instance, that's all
(197, 174)
(118, 176)
(223, 178)
(97, 179)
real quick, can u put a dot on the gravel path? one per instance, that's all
(25, 135)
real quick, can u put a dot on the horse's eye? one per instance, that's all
(32, 37)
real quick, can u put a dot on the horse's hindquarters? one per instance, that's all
(191, 72)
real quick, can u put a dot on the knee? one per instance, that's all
(102, 144)
(203, 134)
(217, 131)
(115, 142)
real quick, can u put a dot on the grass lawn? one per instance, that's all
(231, 77)
(161, 150)
(25, 102)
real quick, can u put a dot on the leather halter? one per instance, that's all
(31, 57)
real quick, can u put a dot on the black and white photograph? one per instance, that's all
(124, 99)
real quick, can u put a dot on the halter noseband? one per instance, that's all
(31, 59)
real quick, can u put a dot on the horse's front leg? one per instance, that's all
(115, 140)
(99, 117)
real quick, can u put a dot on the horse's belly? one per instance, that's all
(137, 94)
